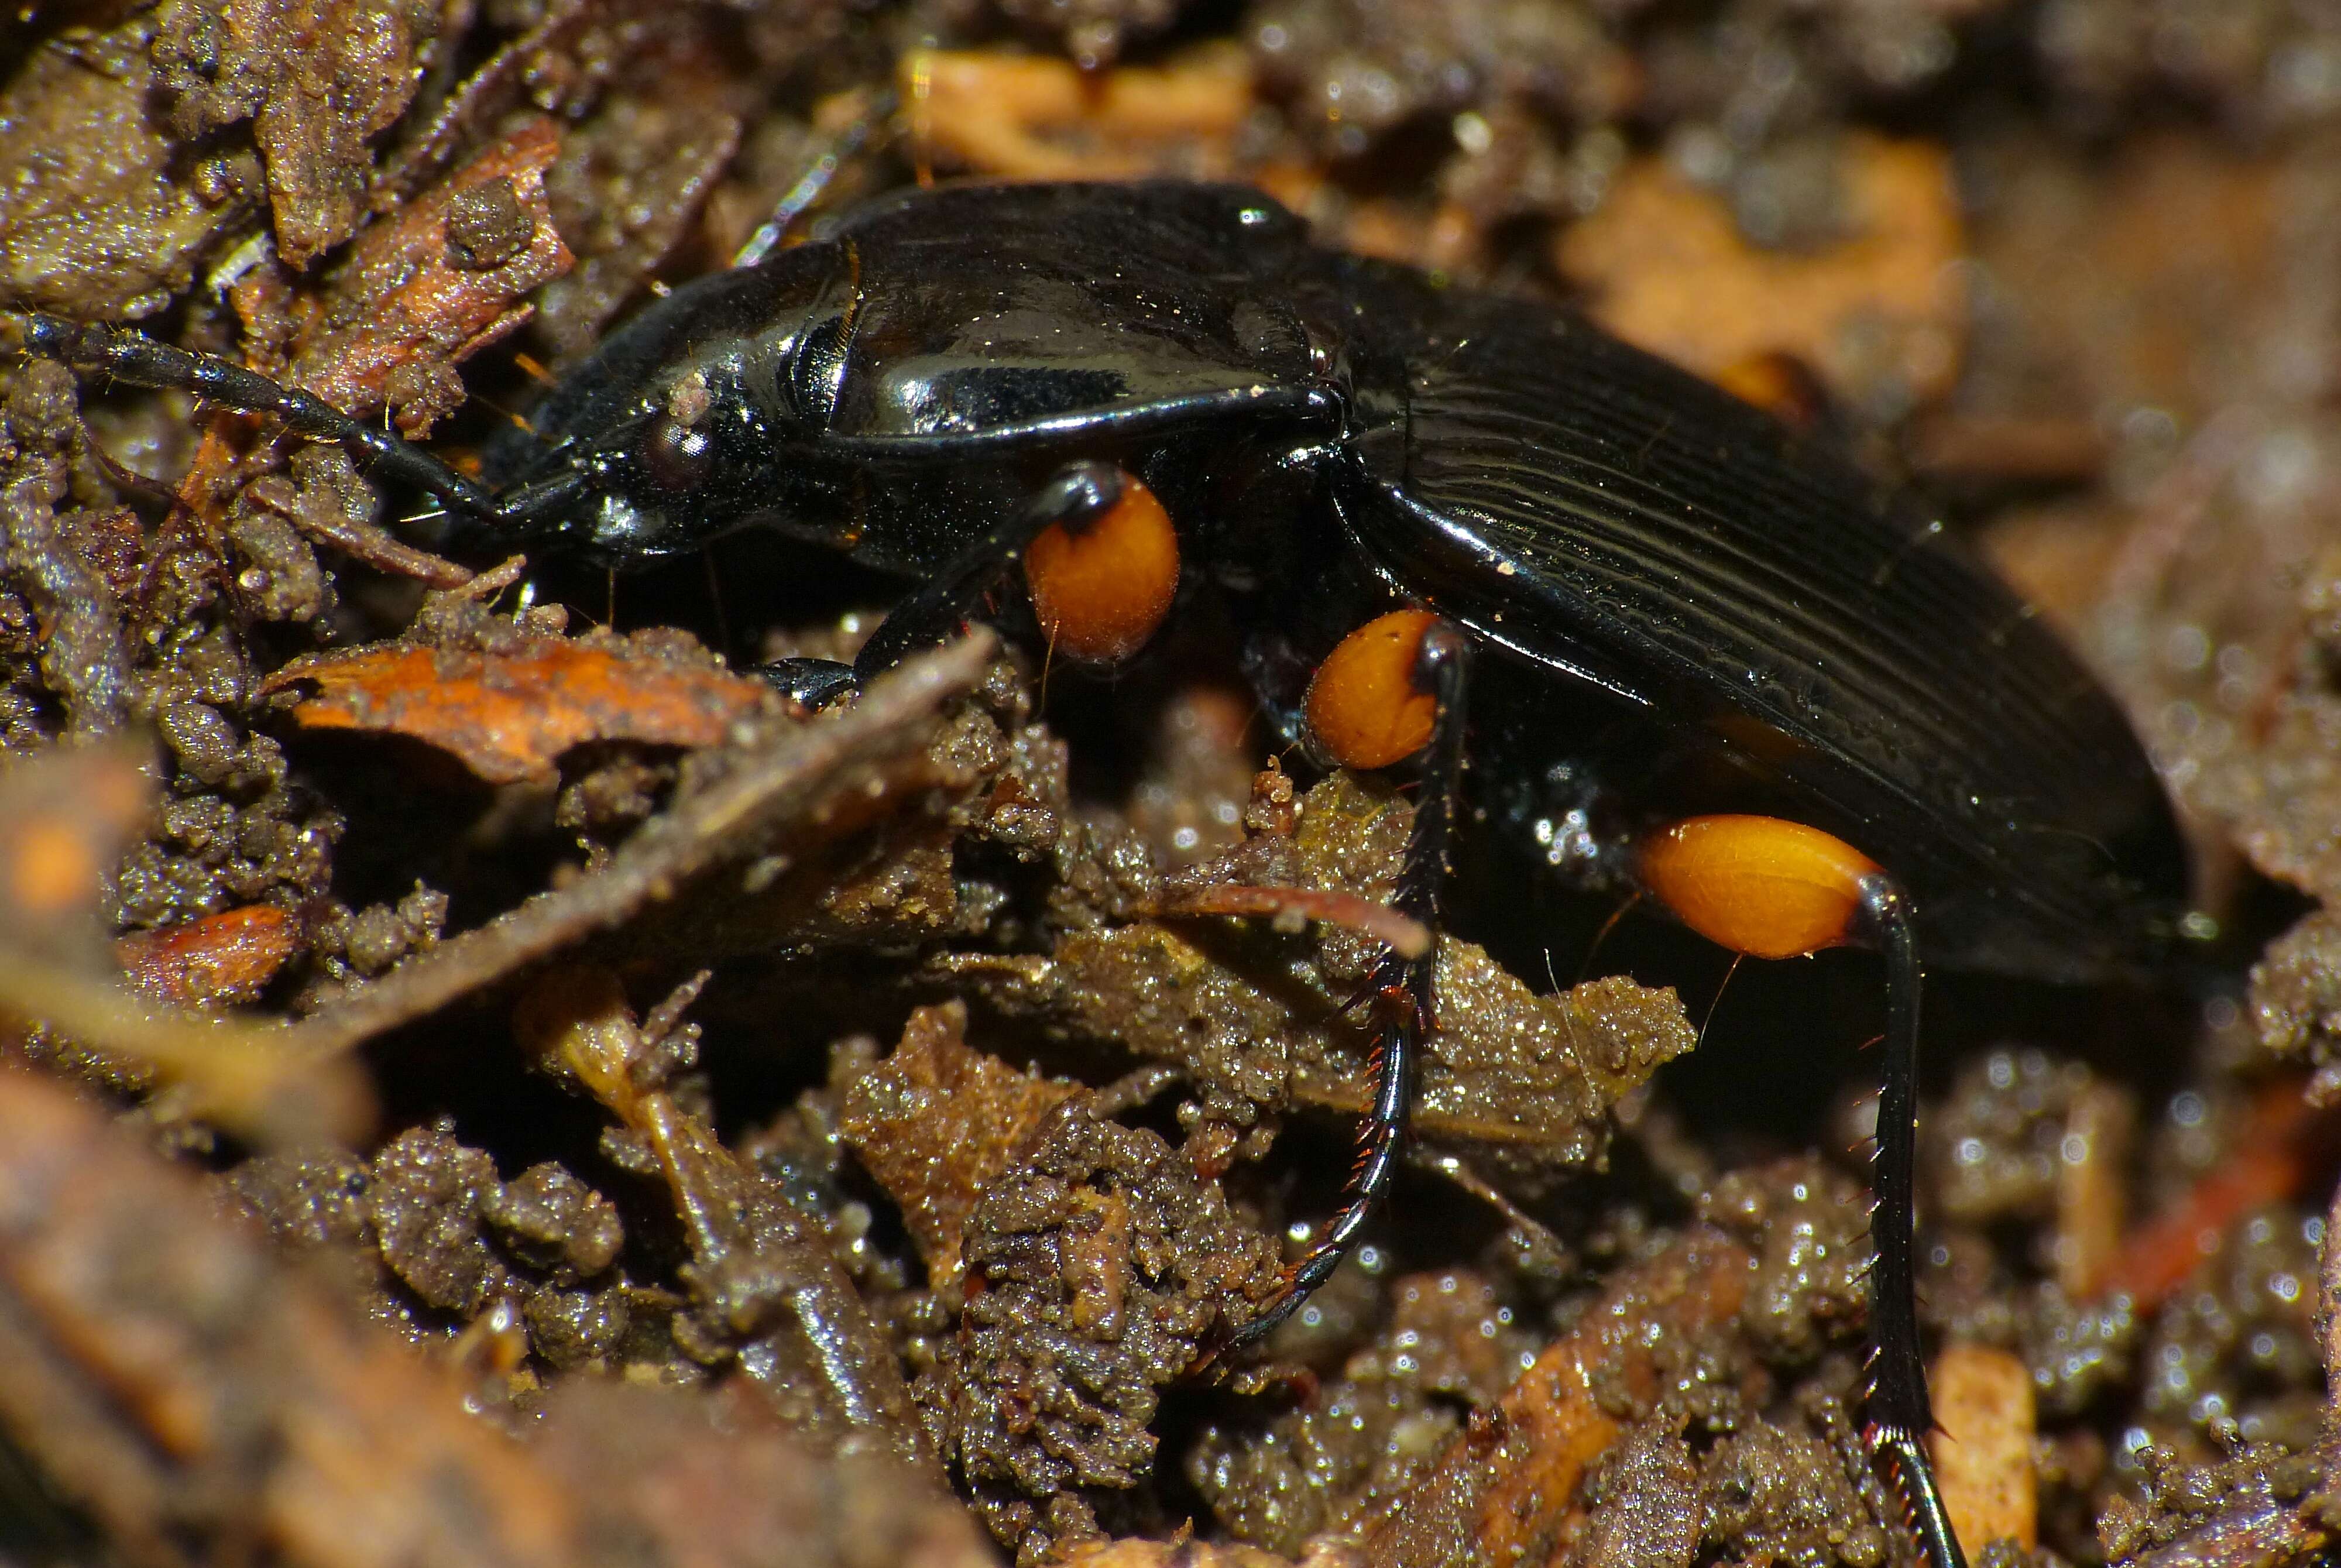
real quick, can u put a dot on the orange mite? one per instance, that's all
(1365, 704)
(1759, 885)
(1102, 585)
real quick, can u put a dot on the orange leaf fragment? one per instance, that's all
(1507, 1485)
(1020, 117)
(1554, 1422)
(66, 821)
(510, 713)
(404, 295)
(225, 957)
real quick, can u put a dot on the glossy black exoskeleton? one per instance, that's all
(947, 372)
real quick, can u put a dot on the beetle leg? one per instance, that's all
(949, 598)
(944, 601)
(1901, 1414)
(1400, 988)
(1079, 497)
(1776, 889)
(808, 682)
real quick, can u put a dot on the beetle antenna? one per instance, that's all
(133, 358)
(814, 183)
(1900, 1414)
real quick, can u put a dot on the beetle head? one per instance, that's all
(673, 431)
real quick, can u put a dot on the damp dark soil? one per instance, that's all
(485, 1079)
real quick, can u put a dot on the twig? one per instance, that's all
(248, 1078)
(359, 538)
(1404, 936)
(786, 783)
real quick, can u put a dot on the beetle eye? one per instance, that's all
(678, 456)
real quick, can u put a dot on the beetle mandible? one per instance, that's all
(1410, 497)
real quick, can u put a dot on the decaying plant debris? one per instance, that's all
(489, 1081)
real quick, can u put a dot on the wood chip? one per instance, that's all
(1983, 1449)
(408, 297)
(936, 1121)
(510, 714)
(225, 957)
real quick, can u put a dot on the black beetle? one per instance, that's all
(1407, 494)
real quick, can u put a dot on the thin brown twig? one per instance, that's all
(1404, 936)
(787, 781)
(361, 540)
(247, 1077)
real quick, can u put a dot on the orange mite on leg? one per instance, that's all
(1757, 885)
(1365, 705)
(1101, 586)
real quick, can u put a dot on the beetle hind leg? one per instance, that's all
(1901, 1414)
(1776, 889)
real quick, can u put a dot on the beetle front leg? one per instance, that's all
(1100, 558)
(1402, 679)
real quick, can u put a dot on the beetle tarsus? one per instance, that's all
(811, 684)
(1930, 1520)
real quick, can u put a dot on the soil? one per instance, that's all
(485, 1078)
